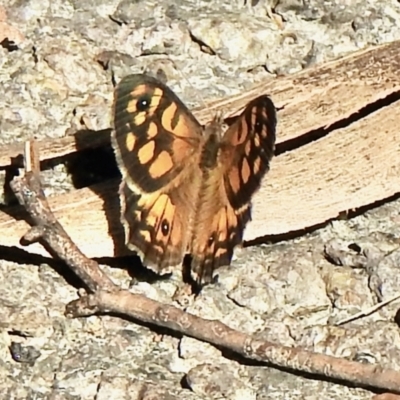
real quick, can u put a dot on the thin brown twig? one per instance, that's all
(368, 311)
(141, 308)
(105, 297)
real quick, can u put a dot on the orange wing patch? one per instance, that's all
(146, 152)
(161, 165)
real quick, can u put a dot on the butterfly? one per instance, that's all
(186, 188)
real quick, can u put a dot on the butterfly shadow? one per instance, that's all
(97, 169)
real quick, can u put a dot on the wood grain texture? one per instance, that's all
(347, 168)
(312, 99)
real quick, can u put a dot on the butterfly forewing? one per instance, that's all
(247, 148)
(154, 135)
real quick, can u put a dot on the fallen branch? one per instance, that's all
(105, 296)
(48, 230)
(219, 334)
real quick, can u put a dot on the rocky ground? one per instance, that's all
(57, 67)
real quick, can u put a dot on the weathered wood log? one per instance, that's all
(344, 153)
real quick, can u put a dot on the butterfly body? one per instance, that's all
(186, 189)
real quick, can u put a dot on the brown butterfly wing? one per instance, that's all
(247, 148)
(213, 248)
(245, 152)
(155, 135)
(157, 224)
(157, 143)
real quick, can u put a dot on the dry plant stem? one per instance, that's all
(48, 230)
(368, 311)
(106, 298)
(219, 334)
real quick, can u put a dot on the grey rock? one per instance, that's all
(59, 80)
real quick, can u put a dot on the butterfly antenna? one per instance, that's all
(202, 103)
(184, 76)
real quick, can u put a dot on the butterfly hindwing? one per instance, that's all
(215, 248)
(154, 227)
